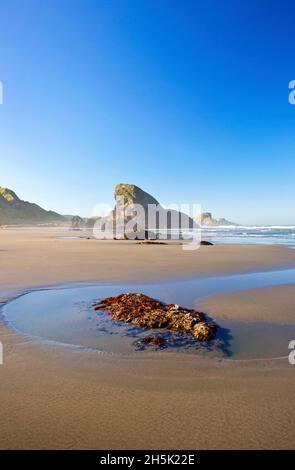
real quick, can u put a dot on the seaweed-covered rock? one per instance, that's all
(144, 311)
(204, 331)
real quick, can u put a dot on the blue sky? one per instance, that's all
(186, 99)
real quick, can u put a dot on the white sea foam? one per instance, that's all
(267, 234)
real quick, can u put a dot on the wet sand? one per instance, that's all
(274, 304)
(60, 397)
(29, 258)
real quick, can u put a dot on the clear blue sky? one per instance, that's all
(186, 99)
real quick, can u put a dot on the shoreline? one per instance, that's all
(231, 305)
(92, 401)
(212, 305)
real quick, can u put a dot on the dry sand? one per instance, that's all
(59, 397)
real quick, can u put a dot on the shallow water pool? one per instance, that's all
(65, 315)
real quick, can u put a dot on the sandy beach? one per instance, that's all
(64, 398)
(147, 231)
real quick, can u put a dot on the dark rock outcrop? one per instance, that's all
(144, 311)
(154, 340)
(151, 242)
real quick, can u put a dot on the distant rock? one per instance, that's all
(77, 222)
(206, 219)
(206, 243)
(153, 218)
(15, 211)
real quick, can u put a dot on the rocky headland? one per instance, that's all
(15, 211)
(206, 218)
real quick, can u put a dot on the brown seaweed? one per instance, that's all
(144, 311)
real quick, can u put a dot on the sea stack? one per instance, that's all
(142, 216)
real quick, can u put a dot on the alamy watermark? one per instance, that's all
(149, 221)
(292, 93)
(292, 353)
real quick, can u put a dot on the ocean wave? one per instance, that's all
(248, 227)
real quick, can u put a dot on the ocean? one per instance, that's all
(271, 235)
